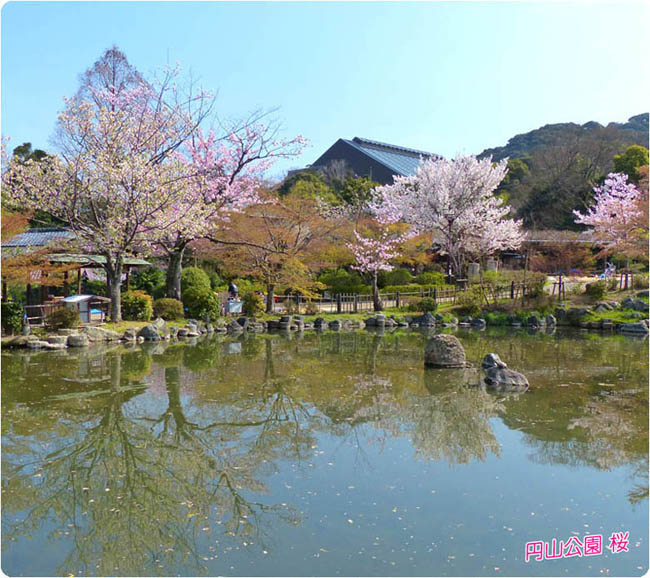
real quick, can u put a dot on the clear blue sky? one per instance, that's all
(443, 77)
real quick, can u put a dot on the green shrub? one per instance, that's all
(137, 306)
(612, 283)
(215, 281)
(168, 309)
(471, 300)
(151, 280)
(433, 278)
(426, 304)
(596, 290)
(194, 277)
(342, 281)
(12, 317)
(63, 318)
(253, 304)
(312, 308)
(641, 281)
(394, 277)
(201, 303)
(414, 288)
(535, 283)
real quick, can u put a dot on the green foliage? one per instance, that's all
(414, 288)
(354, 191)
(201, 303)
(311, 308)
(310, 177)
(253, 304)
(194, 277)
(137, 306)
(12, 317)
(432, 278)
(426, 304)
(92, 287)
(394, 277)
(168, 309)
(470, 301)
(612, 284)
(215, 280)
(641, 281)
(151, 280)
(535, 283)
(634, 157)
(596, 290)
(63, 318)
(342, 281)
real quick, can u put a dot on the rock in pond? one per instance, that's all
(444, 351)
(98, 334)
(78, 340)
(500, 378)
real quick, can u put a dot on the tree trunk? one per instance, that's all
(174, 270)
(114, 281)
(376, 300)
(270, 296)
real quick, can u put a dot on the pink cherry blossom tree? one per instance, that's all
(614, 217)
(454, 200)
(374, 251)
(121, 171)
(231, 169)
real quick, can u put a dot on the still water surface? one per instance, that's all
(331, 454)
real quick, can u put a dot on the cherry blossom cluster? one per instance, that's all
(614, 214)
(453, 199)
(374, 254)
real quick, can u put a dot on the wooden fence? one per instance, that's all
(356, 303)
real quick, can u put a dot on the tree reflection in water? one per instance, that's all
(154, 460)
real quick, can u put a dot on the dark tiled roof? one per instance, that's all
(39, 237)
(401, 160)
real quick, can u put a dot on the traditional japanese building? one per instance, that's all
(375, 160)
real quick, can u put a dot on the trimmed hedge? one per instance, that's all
(194, 277)
(168, 309)
(200, 303)
(137, 306)
(253, 304)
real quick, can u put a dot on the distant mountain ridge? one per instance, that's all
(634, 131)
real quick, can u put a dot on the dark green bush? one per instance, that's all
(168, 309)
(394, 277)
(414, 288)
(431, 278)
(426, 304)
(12, 317)
(215, 280)
(596, 290)
(137, 306)
(200, 303)
(194, 277)
(151, 280)
(253, 304)
(342, 281)
(94, 288)
(63, 318)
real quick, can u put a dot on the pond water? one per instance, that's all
(323, 454)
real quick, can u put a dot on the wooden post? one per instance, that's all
(28, 291)
(66, 285)
(356, 303)
(4, 289)
(338, 303)
(397, 299)
(79, 281)
(128, 279)
(435, 294)
(512, 289)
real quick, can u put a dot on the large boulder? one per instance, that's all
(130, 334)
(53, 339)
(640, 327)
(550, 320)
(234, 327)
(37, 344)
(78, 340)
(149, 333)
(636, 304)
(444, 351)
(161, 325)
(100, 335)
(504, 379)
(426, 320)
(478, 323)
